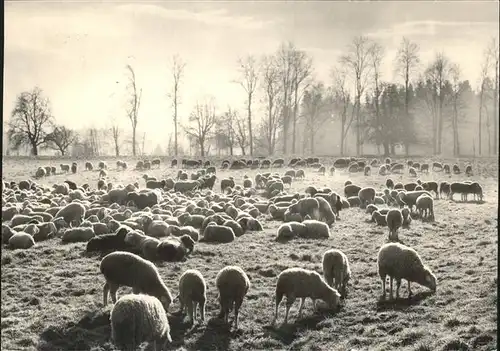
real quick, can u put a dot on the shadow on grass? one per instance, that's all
(91, 330)
(216, 336)
(287, 333)
(401, 304)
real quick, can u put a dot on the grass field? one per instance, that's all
(52, 294)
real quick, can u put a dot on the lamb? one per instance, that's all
(73, 211)
(218, 233)
(399, 261)
(233, 284)
(192, 293)
(122, 268)
(336, 267)
(303, 283)
(138, 318)
(78, 234)
(425, 205)
(21, 240)
(366, 196)
(382, 170)
(394, 219)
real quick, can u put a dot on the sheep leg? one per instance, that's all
(278, 301)
(195, 310)
(383, 286)
(289, 303)
(390, 286)
(302, 301)
(398, 285)
(409, 290)
(237, 305)
(202, 310)
(113, 288)
(190, 312)
(105, 292)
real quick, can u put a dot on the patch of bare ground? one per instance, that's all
(52, 293)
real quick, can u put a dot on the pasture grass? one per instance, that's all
(52, 293)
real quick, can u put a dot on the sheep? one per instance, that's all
(21, 240)
(406, 216)
(431, 186)
(156, 229)
(424, 168)
(468, 171)
(325, 211)
(336, 267)
(74, 167)
(394, 219)
(397, 168)
(446, 169)
(174, 249)
(351, 190)
(136, 318)
(412, 172)
(64, 167)
(300, 174)
(476, 190)
(184, 186)
(102, 165)
(226, 183)
(354, 201)
(366, 196)
(303, 283)
(291, 230)
(461, 188)
(110, 242)
(78, 234)
(233, 284)
(316, 229)
(122, 268)
(371, 208)
(192, 293)
(425, 205)
(367, 171)
(40, 172)
(145, 199)
(378, 218)
(399, 261)
(73, 211)
(218, 233)
(89, 166)
(307, 206)
(410, 197)
(382, 170)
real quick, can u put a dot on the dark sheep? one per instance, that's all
(71, 184)
(143, 200)
(153, 184)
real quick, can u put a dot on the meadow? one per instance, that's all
(52, 293)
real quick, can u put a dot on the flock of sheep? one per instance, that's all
(133, 227)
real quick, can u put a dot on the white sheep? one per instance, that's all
(218, 233)
(73, 211)
(136, 318)
(233, 284)
(291, 230)
(399, 261)
(316, 229)
(336, 267)
(302, 283)
(425, 206)
(122, 268)
(78, 234)
(366, 196)
(394, 219)
(21, 240)
(192, 293)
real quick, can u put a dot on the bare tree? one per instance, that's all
(177, 73)
(284, 60)
(376, 56)
(29, 120)
(205, 119)
(341, 100)
(271, 86)
(134, 104)
(314, 113)
(249, 80)
(357, 61)
(302, 69)
(225, 131)
(60, 139)
(241, 133)
(438, 73)
(406, 62)
(493, 53)
(456, 100)
(482, 83)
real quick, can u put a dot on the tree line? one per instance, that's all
(429, 103)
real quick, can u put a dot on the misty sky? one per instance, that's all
(77, 52)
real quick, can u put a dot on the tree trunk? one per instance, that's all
(358, 127)
(495, 112)
(117, 149)
(243, 150)
(231, 149)
(285, 128)
(133, 141)
(393, 149)
(480, 119)
(250, 135)
(202, 148)
(62, 152)
(294, 119)
(311, 140)
(386, 148)
(342, 139)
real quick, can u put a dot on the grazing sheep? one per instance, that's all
(122, 268)
(73, 211)
(351, 190)
(379, 218)
(233, 284)
(424, 168)
(64, 167)
(107, 243)
(89, 166)
(461, 188)
(102, 165)
(409, 198)
(476, 190)
(446, 169)
(394, 219)
(136, 318)
(78, 234)
(456, 169)
(74, 167)
(145, 199)
(20, 240)
(425, 206)
(406, 216)
(336, 267)
(468, 171)
(325, 211)
(218, 233)
(316, 229)
(412, 171)
(303, 283)
(192, 293)
(367, 170)
(366, 196)
(175, 249)
(397, 168)
(300, 174)
(399, 261)
(382, 170)
(431, 186)
(40, 172)
(306, 206)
